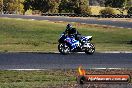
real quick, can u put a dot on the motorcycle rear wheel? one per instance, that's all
(90, 50)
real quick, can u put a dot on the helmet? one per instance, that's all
(69, 26)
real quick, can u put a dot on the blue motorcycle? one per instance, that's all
(68, 44)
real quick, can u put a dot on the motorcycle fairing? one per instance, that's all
(73, 43)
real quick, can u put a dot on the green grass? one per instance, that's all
(35, 79)
(31, 35)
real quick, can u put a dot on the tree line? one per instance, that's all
(56, 6)
(12, 6)
(44, 6)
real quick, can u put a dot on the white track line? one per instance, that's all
(25, 69)
(68, 68)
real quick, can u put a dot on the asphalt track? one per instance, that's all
(122, 24)
(58, 61)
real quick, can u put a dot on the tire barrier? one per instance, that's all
(86, 15)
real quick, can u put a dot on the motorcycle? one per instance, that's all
(70, 44)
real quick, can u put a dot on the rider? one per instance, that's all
(72, 31)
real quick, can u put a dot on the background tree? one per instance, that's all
(129, 11)
(115, 3)
(12, 6)
(119, 4)
(66, 6)
(53, 6)
(43, 6)
(75, 6)
(27, 5)
(1, 5)
(81, 7)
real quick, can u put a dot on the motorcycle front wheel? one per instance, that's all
(64, 48)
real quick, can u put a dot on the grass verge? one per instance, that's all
(32, 35)
(50, 78)
(35, 79)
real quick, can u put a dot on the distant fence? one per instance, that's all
(86, 15)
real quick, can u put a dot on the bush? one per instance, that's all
(83, 10)
(129, 10)
(107, 11)
(88, 10)
(28, 12)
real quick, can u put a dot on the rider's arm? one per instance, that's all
(66, 31)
